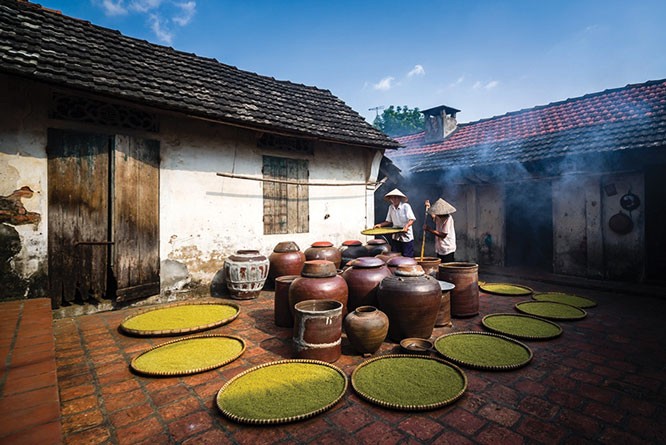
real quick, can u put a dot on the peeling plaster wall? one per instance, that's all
(205, 217)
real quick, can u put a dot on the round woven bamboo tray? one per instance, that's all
(189, 355)
(551, 310)
(381, 231)
(402, 381)
(522, 326)
(483, 350)
(560, 297)
(273, 393)
(507, 289)
(179, 318)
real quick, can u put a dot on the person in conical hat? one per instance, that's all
(444, 231)
(400, 214)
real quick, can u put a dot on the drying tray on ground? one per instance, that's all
(561, 297)
(551, 310)
(522, 326)
(282, 391)
(516, 290)
(189, 355)
(381, 231)
(483, 350)
(180, 318)
(409, 382)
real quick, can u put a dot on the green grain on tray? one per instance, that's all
(482, 350)
(522, 326)
(559, 297)
(408, 381)
(282, 391)
(551, 310)
(179, 317)
(181, 356)
(508, 289)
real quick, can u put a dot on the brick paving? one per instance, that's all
(602, 381)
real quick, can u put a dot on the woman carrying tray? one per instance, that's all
(400, 214)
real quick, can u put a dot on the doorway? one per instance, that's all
(529, 225)
(655, 221)
(103, 213)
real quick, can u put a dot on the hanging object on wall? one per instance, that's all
(630, 201)
(620, 223)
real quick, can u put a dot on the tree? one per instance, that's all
(399, 121)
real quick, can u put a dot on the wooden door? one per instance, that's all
(103, 217)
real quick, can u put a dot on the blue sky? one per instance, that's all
(483, 57)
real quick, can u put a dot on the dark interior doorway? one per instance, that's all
(529, 225)
(655, 221)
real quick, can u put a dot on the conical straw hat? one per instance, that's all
(441, 207)
(395, 192)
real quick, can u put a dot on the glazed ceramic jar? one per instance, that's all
(377, 246)
(363, 278)
(388, 255)
(350, 250)
(318, 330)
(465, 294)
(394, 262)
(366, 329)
(411, 300)
(319, 280)
(245, 273)
(324, 250)
(286, 259)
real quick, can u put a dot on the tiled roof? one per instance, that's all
(624, 118)
(45, 45)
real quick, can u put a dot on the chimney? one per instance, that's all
(439, 123)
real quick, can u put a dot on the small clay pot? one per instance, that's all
(366, 329)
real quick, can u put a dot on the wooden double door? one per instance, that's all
(103, 217)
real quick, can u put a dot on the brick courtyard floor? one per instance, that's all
(602, 381)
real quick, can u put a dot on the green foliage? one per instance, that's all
(400, 121)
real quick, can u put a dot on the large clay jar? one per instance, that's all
(411, 300)
(429, 264)
(350, 250)
(465, 295)
(388, 255)
(377, 246)
(281, 308)
(366, 329)
(318, 330)
(245, 273)
(363, 278)
(394, 262)
(319, 280)
(324, 250)
(286, 259)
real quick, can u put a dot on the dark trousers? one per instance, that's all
(448, 258)
(405, 248)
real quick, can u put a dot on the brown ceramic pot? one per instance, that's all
(318, 330)
(363, 278)
(324, 250)
(281, 308)
(350, 250)
(429, 264)
(394, 262)
(411, 300)
(465, 295)
(286, 259)
(366, 329)
(444, 314)
(388, 255)
(319, 280)
(377, 246)
(245, 273)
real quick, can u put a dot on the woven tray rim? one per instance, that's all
(518, 336)
(551, 317)
(287, 419)
(486, 367)
(396, 406)
(193, 370)
(381, 231)
(528, 290)
(592, 302)
(167, 332)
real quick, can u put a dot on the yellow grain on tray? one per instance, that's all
(179, 317)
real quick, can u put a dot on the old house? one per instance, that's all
(576, 187)
(129, 169)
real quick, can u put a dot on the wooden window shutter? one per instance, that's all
(286, 206)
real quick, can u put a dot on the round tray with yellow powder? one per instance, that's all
(180, 318)
(282, 391)
(560, 297)
(381, 231)
(483, 350)
(513, 290)
(409, 382)
(522, 326)
(551, 310)
(189, 355)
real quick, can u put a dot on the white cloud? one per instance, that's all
(385, 84)
(144, 5)
(458, 81)
(478, 84)
(487, 85)
(187, 10)
(113, 7)
(160, 30)
(416, 71)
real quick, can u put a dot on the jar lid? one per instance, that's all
(397, 261)
(247, 255)
(322, 244)
(377, 242)
(366, 262)
(319, 269)
(286, 246)
(411, 270)
(352, 242)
